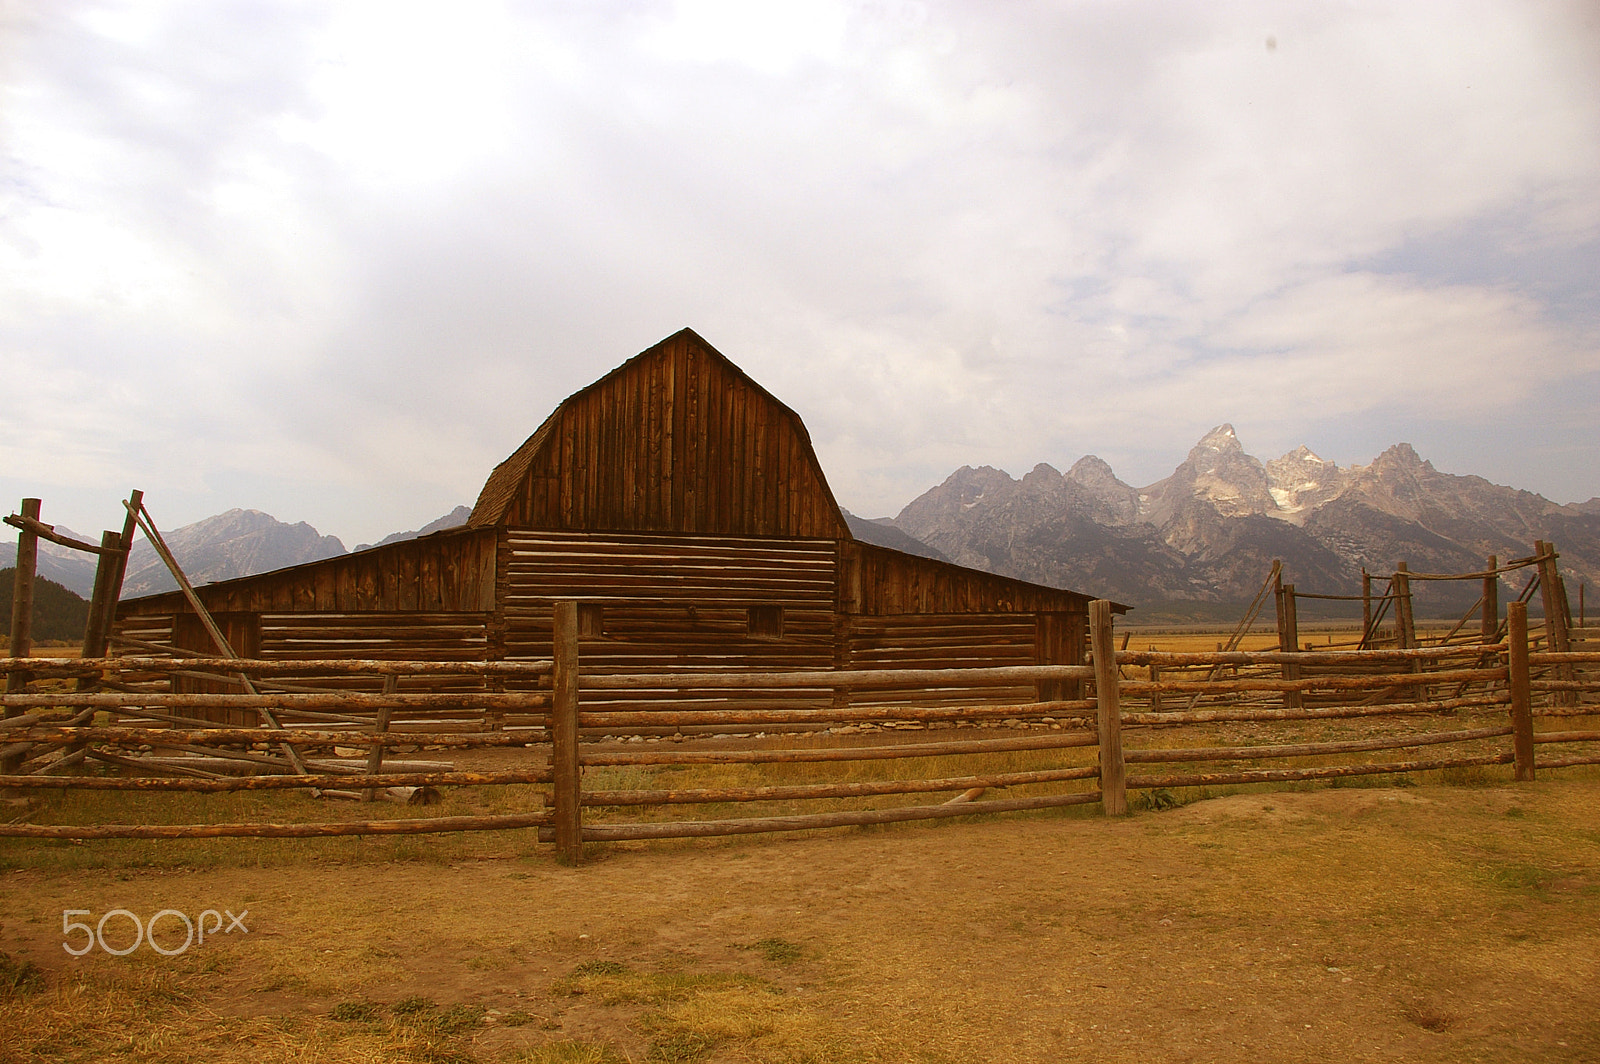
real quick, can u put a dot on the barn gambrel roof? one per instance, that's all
(676, 439)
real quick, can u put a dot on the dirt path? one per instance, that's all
(1422, 924)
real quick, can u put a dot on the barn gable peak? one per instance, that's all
(676, 439)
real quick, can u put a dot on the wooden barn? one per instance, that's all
(683, 507)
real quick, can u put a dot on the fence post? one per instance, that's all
(1277, 604)
(1366, 610)
(1113, 786)
(95, 642)
(391, 686)
(21, 617)
(1521, 696)
(1405, 619)
(1289, 643)
(1490, 628)
(1553, 595)
(564, 769)
(108, 577)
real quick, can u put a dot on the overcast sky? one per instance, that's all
(336, 261)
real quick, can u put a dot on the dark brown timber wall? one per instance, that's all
(877, 581)
(657, 603)
(903, 611)
(450, 572)
(429, 599)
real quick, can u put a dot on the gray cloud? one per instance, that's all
(335, 262)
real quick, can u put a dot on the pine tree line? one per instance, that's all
(58, 614)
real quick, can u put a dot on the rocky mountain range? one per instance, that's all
(1209, 532)
(1198, 542)
(235, 543)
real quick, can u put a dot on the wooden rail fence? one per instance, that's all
(1448, 707)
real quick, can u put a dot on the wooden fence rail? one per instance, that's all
(277, 666)
(1494, 689)
(1490, 691)
(47, 720)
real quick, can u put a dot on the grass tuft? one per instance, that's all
(682, 1047)
(19, 976)
(411, 1006)
(356, 1012)
(1466, 776)
(457, 1019)
(1156, 800)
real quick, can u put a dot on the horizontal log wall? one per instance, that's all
(674, 602)
(671, 601)
(940, 641)
(148, 628)
(441, 637)
(290, 637)
(375, 636)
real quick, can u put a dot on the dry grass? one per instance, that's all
(1438, 923)
(1457, 918)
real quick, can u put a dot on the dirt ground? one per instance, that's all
(1377, 924)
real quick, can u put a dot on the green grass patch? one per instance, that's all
(687, 1016)
(356, 1012)
(778, 950)
(1524, 878)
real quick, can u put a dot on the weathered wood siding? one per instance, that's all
(150, 627)
(377, 636)
(877, 581)
(941, 641)
(677, 439)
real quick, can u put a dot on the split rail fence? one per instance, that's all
(1097, 733)
(123, 713)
